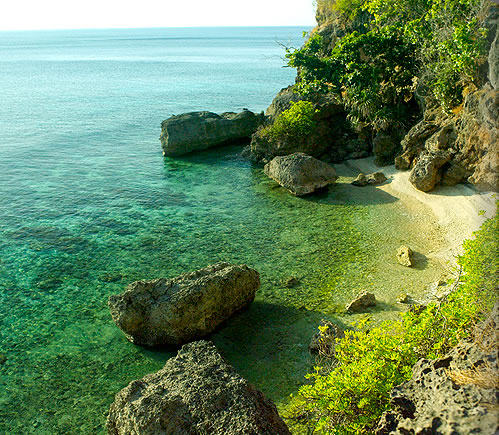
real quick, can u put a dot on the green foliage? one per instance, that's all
(294, 123)
(429, 46)
(371, 73)
(372, 360)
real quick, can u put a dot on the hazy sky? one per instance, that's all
(72, 14)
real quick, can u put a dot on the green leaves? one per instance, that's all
(297, 121)
(375, 358)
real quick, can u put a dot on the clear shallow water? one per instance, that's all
(89, 204)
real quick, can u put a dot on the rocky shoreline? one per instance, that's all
(197, 391)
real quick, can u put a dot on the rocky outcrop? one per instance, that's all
(282, 101)
(332, 138)
(385, 148)
(361, 302)
(405, 256)
(185, 308)
(196, 392)
(435, 401)
(194, 131)
(470, 134)
(370, 179)
(300, 174)
(426, 173)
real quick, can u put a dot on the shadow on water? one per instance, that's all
(268, 345)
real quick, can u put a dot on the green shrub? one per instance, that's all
(432, 46)
(372, 360)
(372, 74)
(297, 122)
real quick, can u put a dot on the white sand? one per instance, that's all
(457, 211)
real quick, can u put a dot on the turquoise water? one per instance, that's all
(88, 204)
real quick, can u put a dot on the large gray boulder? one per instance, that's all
(300, 173)
(194, 131)
(185, 308)
(196, 392)
(426, 173)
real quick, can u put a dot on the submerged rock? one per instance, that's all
(361, 302)
(434, 401)
(185, 308)
(196, 392)
(371, 179)
(300, 173)
(291, 282)
(405, 256)
(194, 131)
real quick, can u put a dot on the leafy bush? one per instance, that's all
(294, 123)
(372, 360)
(432, 46)
(371, 73)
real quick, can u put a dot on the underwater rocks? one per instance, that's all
(449, 395)
(405, 256)
(361, 302)
(196, 392)
(194, 131)
(300, 173)
(185, 308)
(370, 179)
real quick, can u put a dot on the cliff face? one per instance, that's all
(444, 147)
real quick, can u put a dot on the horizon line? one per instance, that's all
(151, 27)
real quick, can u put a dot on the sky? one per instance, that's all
(77, 14)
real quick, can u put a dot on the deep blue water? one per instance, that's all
(88, 204)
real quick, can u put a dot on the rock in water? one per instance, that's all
(196, 392)
(405, 256)
(360, 303)
(300, 173)
(194, 131)
(185, 308)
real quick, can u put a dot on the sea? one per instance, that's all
(88, 204)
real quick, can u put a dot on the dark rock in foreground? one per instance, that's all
(432, 402)
(300, 173)
(185, 308)
(196, 392)
(194, 131)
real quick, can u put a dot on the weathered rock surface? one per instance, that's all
(361, 302)
(300, 174)
(371, 179)
(405, 256)
(385, 147)
(282, 101)
(432, 403)
(332, 138)
(194, 131)
(185, 308)
(426, 172)
(196, 393)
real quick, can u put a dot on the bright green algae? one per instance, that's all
(65, 357)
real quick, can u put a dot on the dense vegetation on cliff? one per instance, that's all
(351, 396)
(378, 57)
